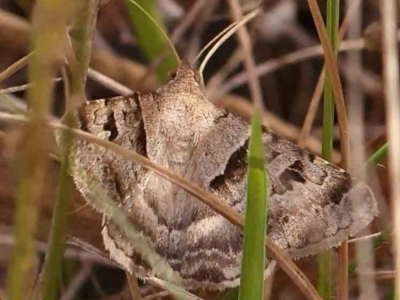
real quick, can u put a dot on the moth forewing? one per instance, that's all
(313, 205)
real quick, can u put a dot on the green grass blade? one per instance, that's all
(253, 261)
(150, 39)
(379, 154)
(324, 259)
(52, 265)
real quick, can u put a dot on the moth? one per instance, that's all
(313, 205)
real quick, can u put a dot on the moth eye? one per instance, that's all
(172, 75)
(197, 77)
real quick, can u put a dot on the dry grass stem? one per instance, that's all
(392, 96)
(188, 20)
(109, 82)
(367, 237)
(246, 45)
(315, 100)
(23, 87)
(225, 34)
(365, 249)
(158, 296)
(283, 61)
(15, 67)
(331, 67)
(312, 111)
(133, 286)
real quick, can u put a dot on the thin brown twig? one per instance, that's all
(188, 20)
(206, 197)
(246, 45)
(311, 112)
(199, 28)
(315, 100)
(23, 87)
(366, 237)
(15, 67)
(283, 61)
(165, 286)
(133, 286)
(331, 67)
(108, 82)
(157, 295)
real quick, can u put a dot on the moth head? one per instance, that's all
(186, 72)
(178, 112)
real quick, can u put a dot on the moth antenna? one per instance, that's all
(227, 33)
(159, 29)
(212, 42)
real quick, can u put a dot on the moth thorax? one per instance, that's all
(187, 123)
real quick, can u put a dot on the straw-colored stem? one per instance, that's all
(392, 96)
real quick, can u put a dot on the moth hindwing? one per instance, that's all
(313, 205)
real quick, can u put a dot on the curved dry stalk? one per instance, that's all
(207, 198)
(312, 111)
(331, 67)
(283, 61)
(315, 100)
(226, 34)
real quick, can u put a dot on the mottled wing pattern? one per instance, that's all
(313, 205)
(118, 120)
